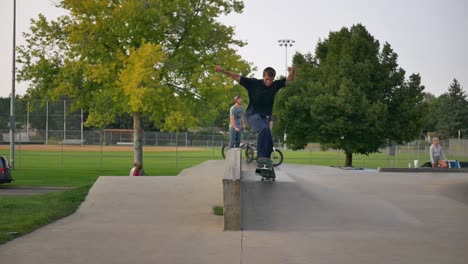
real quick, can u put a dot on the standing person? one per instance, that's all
(437, 156)
(262, 94)
(236, 122)
(137, 170)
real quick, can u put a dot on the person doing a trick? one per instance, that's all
(262, 94)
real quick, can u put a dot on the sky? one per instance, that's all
(429, 36)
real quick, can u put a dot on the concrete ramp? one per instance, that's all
(313, 214)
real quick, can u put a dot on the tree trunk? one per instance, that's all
(349, 159)
(137, 139)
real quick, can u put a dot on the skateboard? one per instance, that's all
(265, 169)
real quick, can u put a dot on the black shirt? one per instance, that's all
(261, 97)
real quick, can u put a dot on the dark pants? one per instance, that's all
(264, 141)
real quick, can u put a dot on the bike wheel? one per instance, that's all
(249, 153)
(277, 157)
(224, 149)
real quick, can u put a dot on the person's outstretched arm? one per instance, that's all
(291, 76)
(234, 76)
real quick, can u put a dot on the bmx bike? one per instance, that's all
(276, 156)
(250, 152)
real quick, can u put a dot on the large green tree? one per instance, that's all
(140, 57)
(4, 113)
(451, 111)
(351, 95)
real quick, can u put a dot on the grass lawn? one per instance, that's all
(76, 168)
(21, 215)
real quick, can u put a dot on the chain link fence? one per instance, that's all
(56, 126)
(178, 145)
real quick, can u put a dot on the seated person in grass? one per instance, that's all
(137, 170)
(437, 155)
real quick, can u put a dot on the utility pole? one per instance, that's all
(12, 102)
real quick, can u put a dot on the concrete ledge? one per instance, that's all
(425, 169)
(231, 190)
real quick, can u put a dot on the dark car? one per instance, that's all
(5, 171)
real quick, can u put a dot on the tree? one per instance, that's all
(137, 57)
(351, 96)
(4, 113)
(430, 121)
(452, 111)
(20, 119)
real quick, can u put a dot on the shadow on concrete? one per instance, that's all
(458, 192)
(294, 204)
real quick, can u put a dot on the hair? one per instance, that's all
(137, 165)
(269, 71)
(434, 138)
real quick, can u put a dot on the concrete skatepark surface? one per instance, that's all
(310, 214)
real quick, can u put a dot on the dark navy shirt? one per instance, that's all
(261, 97)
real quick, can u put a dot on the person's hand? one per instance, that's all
(292, 70)
(291, 76)
(434, 165)
(218, 68)
(237, 129)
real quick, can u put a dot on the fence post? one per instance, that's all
(177, 150)
(64, 121)
(27, 123)
(310, 156)
(63, 141)
(396, 154)
(81, 121)
(19, 150)
(100, 143)
(47, 123)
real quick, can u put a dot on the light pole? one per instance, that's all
(286, 43)
(12, 102)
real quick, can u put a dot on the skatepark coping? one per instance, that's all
(424, 169)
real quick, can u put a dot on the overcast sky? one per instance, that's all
(430, 36)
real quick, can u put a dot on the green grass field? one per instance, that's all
(20, 215)
(77, 168)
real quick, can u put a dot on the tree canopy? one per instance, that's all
(137, 57)
(450, 112)
(351, 95)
